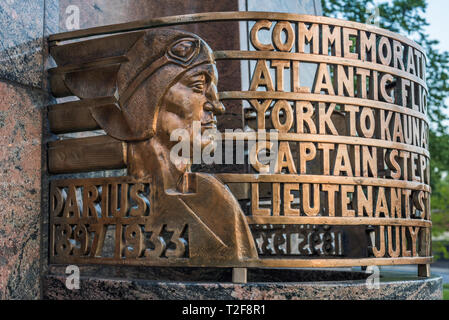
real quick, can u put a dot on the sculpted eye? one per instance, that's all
(198, 86)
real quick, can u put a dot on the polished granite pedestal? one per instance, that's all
(128, 283)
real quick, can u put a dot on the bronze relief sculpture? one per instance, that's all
(351, 179)
(170, 82)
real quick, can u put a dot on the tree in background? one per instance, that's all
(406, 17)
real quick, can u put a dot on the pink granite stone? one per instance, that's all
(21, 50)
(20, 190)
(392, 286)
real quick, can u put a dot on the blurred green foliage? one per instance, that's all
(440, 249)
(440, 206)
(407, 18)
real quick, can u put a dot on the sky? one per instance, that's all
(437, 15)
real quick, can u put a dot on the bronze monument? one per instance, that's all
(350, 185)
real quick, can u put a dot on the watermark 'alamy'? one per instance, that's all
(73, 280)
(373, 281)
(374, 16)
(72, 22)
(262, 146)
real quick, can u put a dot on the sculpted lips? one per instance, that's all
(212, 124)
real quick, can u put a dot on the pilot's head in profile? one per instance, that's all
(169, 82)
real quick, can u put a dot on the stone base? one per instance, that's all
(215, 284)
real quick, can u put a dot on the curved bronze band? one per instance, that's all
(315, 58)
(318, 220)
(227, 16)
(299, 96)
(299, 137)
(323, 263)
(309, 178)
(76, 67)
(272, 263)
(354, 221)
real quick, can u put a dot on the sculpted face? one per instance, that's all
(193, 98)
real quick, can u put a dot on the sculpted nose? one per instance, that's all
(219, 108)
(216, 107)
(213, 103)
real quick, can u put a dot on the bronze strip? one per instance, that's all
(98, 63)
(309, 178)
(273, 263)
(338, 221)
(226, 16)
(296, 96)
(86, 154)
(299, 137)
(315, 58)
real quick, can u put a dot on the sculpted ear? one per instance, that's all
(112, 120)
